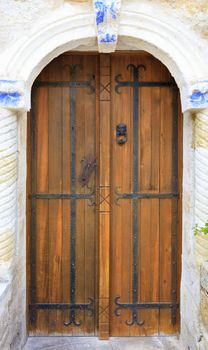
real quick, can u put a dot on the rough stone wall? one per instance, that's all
(193, 12)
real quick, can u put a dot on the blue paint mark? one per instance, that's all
(199, 98)
(10, 98)
(113, 10)
(108, 38)
(101, 10)
(8, 81)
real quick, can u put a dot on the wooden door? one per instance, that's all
(145, 206)
(104, 240)
(63, 223)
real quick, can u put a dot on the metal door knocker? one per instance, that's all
(121, 134)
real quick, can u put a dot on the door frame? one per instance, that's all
(103, 178)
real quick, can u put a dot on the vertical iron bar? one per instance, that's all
(174, 205)
(135, 185)
(135, 205)
(73, 190)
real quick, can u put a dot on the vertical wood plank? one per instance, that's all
(166, 171)
(55, 206)
(42, 263)
(121, 215)
(104, 208)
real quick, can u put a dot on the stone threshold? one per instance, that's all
(93, 343)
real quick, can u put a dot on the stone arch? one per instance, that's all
(65, 30)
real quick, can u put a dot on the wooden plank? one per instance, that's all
(90, 144)
(148, 215)
(121, 232)
(41, 227)
(42, 207)
(66, 205)
(166, 169)
(55, 206)
(104, 215)
(86, 147)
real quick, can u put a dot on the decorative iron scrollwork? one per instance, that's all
(72, 315)
(133, 308)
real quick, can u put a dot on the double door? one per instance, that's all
(104, 197)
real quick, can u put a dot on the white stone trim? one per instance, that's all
(139, 27)
(8, 187)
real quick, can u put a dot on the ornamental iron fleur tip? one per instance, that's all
(106, 19)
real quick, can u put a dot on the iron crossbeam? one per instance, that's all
(136, 84)
(61, 195)
(145, 195)
(70, 84)
(134, 307)
(62, 306)
(150, 305)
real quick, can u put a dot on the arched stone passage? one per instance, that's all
(140, 28)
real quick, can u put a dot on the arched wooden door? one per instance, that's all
(104, 197)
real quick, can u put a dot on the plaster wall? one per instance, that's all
(177, 35)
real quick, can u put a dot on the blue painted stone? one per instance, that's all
(108, 38)
(106, 14)
(199, 98)
(101, 8)
(10, 98)
(100, 12)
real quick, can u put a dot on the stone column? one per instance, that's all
(8, 189)
(195, 210)
(12, 278)
(201, 166)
